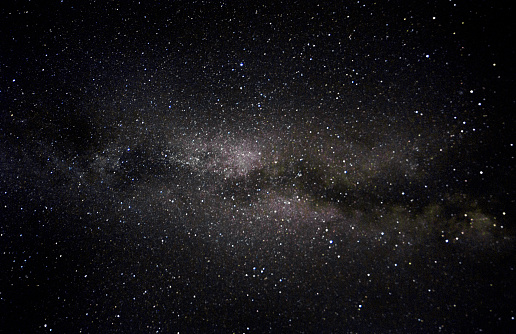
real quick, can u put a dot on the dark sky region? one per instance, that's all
(257, 167)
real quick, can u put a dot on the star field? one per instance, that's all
(224, 167)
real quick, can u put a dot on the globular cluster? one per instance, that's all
(215, 166)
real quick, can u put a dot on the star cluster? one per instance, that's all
(216, 166)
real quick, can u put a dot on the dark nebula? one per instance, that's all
(228, 167)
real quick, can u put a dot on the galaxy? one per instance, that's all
(235, 167)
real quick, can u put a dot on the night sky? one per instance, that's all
(231, 167)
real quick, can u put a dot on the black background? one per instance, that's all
(210, 166)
